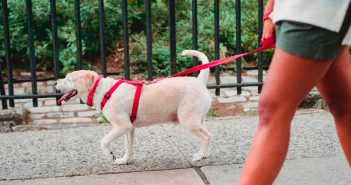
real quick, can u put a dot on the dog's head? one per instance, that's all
(78, 82)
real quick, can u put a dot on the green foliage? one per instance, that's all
(102, 118)
(250, 113)
(184, 33)
(66, 31)
(113, 22)
(212, 113)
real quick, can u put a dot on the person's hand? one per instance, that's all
(268, 29)
(268, 34)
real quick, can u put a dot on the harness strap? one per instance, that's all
(136, 102)
(137, 84)
(109, 93)
(92, 91)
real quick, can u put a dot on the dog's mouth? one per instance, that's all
(68, 95)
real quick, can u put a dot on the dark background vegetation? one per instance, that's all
(114, 42)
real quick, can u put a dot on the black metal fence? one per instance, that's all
(172, 49)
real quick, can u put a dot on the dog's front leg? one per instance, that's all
(129, 141)
(112, 135)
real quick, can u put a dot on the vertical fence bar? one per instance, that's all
(5, 16)
(216, 44)
(102, 37)
(238, 42)
(125, 39)
(54, 39)
(150, 72)
(31, 50)
(2, 90)
(78, 33)
(172, 35)
(260, 55)
(194, 31)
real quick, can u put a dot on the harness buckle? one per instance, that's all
(107, 95)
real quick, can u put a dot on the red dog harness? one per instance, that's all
(138, 84)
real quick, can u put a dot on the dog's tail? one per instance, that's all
(203, 75)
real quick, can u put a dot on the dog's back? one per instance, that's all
(165, 100)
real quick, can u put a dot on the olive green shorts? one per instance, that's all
(308, 41)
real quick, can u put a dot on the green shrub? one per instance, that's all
(66, 32)
(113, 22)
(184, 33)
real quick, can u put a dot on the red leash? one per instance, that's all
(266, 44)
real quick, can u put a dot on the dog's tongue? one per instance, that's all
(68, 95)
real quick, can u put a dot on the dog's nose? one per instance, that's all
(55, 83)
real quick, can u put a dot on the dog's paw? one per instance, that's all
(198, 157)
(121, 161)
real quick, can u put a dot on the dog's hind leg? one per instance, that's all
(112, 135)
(195, 126)
(129, 141)
(191, 116)
(205, 138)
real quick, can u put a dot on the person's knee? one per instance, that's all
(267, 106)
(340, 108)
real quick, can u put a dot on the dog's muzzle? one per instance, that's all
(68, 95)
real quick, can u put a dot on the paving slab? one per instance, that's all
(166, 177)
(76, 151)
(312, 135)
(310, 171)
(69, 152)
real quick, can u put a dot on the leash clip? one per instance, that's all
(132, 118)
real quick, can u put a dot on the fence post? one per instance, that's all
(102, 37)
(78, 33)
(238, 43)
(5, 16)
(194, 32)
(172, 35)
(31, 50)
(54, 40)
(216, 44)
(148, 25)
(125, 39)
(260, 55)
(2, 90)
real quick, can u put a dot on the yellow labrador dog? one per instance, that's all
(183, 100)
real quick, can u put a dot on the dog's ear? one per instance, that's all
(87, 81)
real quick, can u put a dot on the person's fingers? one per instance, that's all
(268, 30)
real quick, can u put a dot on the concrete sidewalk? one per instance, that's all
(162, 155)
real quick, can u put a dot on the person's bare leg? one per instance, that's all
(335, 89)
(288, 81)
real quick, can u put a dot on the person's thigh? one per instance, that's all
(289, 79)
(335, 87)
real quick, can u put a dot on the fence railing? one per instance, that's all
(10, 97)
